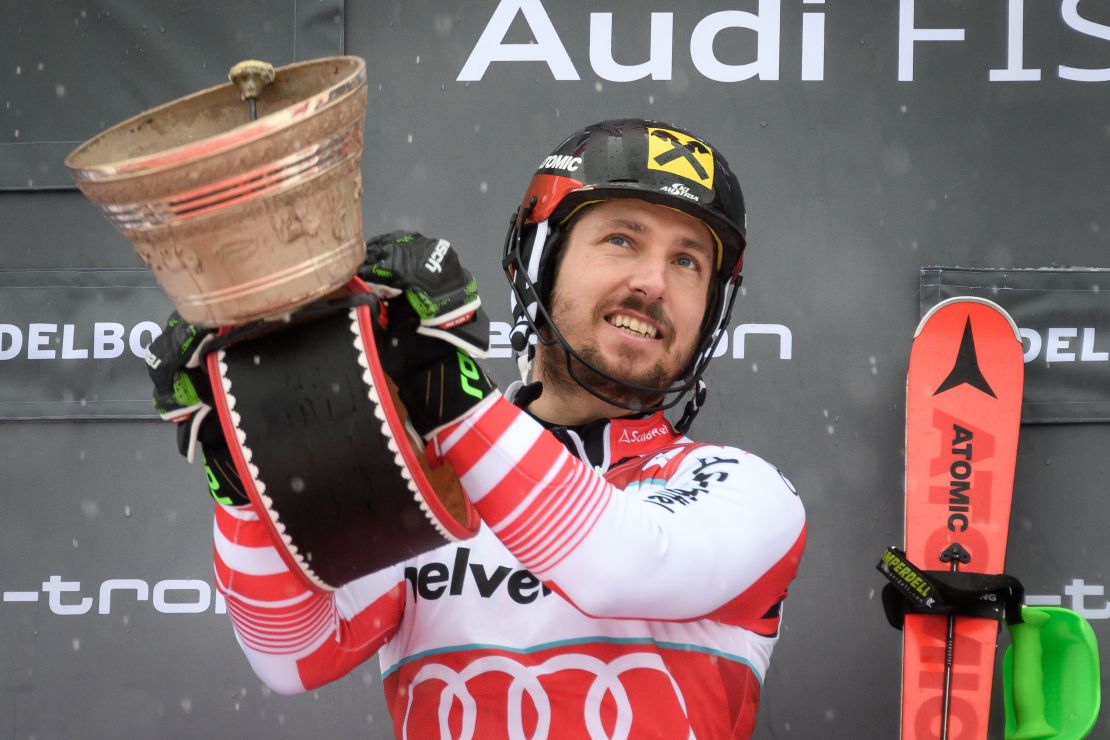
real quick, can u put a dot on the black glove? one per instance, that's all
(438, 382)
(427, 273)
(432, 326)
(183, 395)
(224, 484)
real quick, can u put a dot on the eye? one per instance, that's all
(617, 240)
(688, 262)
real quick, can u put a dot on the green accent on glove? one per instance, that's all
(442, 391)
(184, 349)
(379, 271)
(184, 392)
(183, 396)
(214, 487)
(422, 303)
(470, 374)
(224, 484)
(428, 308)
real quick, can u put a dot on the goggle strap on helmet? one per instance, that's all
(524, 366)
(521, 337)
(535, 254)
(722, 316)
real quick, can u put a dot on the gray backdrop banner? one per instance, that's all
(72, 342)
(870, 139)
(54, 92)
(1064, 320)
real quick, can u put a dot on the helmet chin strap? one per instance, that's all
(693, 406)
(524, 367)
(689, 413)
(523, 336)
(539, 240)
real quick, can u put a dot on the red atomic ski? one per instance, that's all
(963, 411)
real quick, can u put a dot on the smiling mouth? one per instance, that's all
(633, 326)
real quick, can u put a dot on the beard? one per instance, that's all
(579, 375)
(568, 374)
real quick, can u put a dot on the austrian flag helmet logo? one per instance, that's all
(628, 158)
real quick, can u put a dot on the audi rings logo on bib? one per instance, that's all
(564, 695)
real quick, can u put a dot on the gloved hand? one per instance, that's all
(427, 273)
(181, 389)
(183, 395)
(431, 327)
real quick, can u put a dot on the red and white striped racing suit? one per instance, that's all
(626, 583)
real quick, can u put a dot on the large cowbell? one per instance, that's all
(242, 198)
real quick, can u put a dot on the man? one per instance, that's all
(627, 581)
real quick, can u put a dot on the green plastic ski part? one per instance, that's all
(1050, 676)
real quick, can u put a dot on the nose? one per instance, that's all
(649, 277)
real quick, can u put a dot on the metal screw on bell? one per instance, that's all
(251, 76)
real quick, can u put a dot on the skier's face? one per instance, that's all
(630, 292)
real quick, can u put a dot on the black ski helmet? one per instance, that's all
(628, 158)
